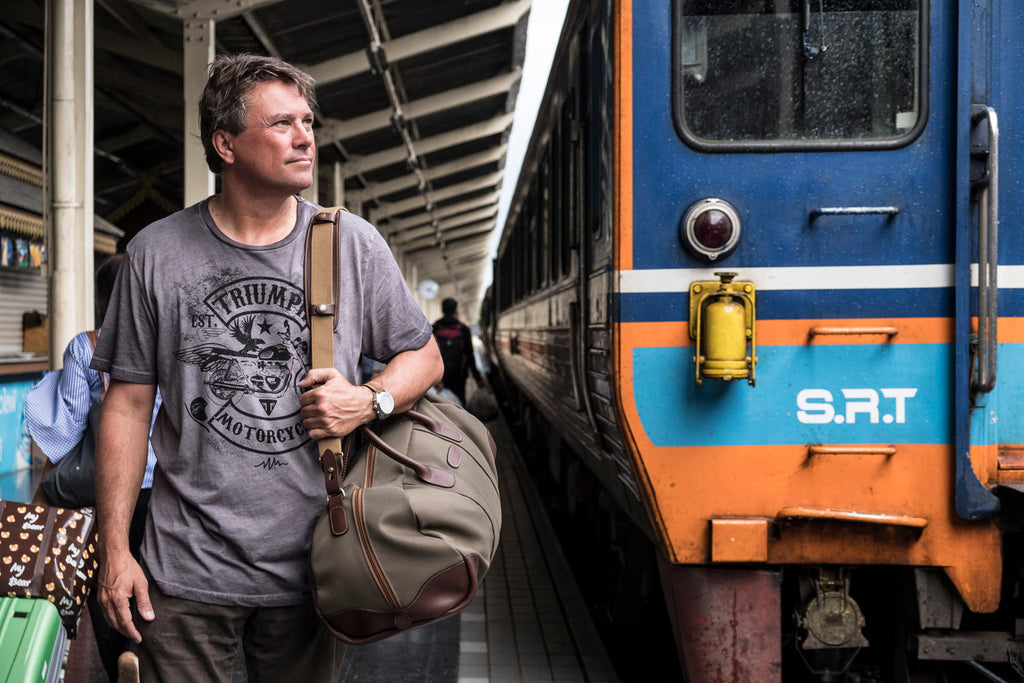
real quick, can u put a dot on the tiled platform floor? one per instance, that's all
(532, 624)
(528, 623)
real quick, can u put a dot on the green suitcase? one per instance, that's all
(32, 641)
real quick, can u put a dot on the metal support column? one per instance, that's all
(199, 51)
(338, 185)
(68, 145)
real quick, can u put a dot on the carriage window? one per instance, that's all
(816, 72)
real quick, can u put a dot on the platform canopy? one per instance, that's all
(416, 99)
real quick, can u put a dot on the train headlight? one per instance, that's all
(710, 228)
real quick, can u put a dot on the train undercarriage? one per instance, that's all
(820, 623)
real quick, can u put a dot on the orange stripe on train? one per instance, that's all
(822, 332)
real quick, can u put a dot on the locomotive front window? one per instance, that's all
(819, 73)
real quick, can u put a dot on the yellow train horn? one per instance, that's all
(722, 317)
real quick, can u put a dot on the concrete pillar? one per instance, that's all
(199, 51)
(338, 185)
(68, 154)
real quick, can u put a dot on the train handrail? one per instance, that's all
(817, 449)
(889, 211)
(828, 514)
(988, 255)
(821, 330)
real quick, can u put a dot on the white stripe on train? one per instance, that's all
(928, 276)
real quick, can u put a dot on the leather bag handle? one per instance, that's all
(431, 475)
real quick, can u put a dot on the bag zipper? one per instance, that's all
(371, 557)
(371, 458)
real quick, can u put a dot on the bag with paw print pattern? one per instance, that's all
(48, 553)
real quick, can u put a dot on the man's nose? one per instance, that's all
(304, 135)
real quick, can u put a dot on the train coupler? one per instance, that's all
(830, 617)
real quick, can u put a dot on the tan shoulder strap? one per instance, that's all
(322, 289)
(321, 281)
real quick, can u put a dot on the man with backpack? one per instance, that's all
(456, 345)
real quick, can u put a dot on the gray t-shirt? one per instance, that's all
(221, 328)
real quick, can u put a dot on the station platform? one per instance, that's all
(527, 624)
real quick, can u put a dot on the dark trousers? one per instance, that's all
(195, 641)
(111, 643)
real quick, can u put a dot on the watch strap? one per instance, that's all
(377, 388)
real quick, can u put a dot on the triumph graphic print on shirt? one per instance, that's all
(252, 356)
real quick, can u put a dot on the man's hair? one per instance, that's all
(225, 99)
(448, 306)
(106, 276)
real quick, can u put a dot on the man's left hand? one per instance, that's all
(331, 405)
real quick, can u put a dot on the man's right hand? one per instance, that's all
(121, 578)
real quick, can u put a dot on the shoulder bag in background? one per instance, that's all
(71, 483)
(413, 513)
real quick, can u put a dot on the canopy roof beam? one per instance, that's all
(403, 238)
(450, 192)
(354, 63)
(391, 227)
(375, 190)
(394, 155)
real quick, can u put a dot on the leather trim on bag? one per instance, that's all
(454, 455)
(448, 592)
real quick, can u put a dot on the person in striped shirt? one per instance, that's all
(56, 413)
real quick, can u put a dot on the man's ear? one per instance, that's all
(223, 143)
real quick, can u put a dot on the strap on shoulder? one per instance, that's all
(322, 289)
(321, 281)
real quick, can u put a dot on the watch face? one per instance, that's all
(386, 403)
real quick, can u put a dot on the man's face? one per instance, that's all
(276, 149)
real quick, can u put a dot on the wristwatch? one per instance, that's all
(383, 403)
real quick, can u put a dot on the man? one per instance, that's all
(209, 306)
(456, 344)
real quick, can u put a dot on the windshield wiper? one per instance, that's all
(810, 49)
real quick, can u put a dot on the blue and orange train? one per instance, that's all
(761, 285)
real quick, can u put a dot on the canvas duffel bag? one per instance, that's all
(413, 513)
(406, 543)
